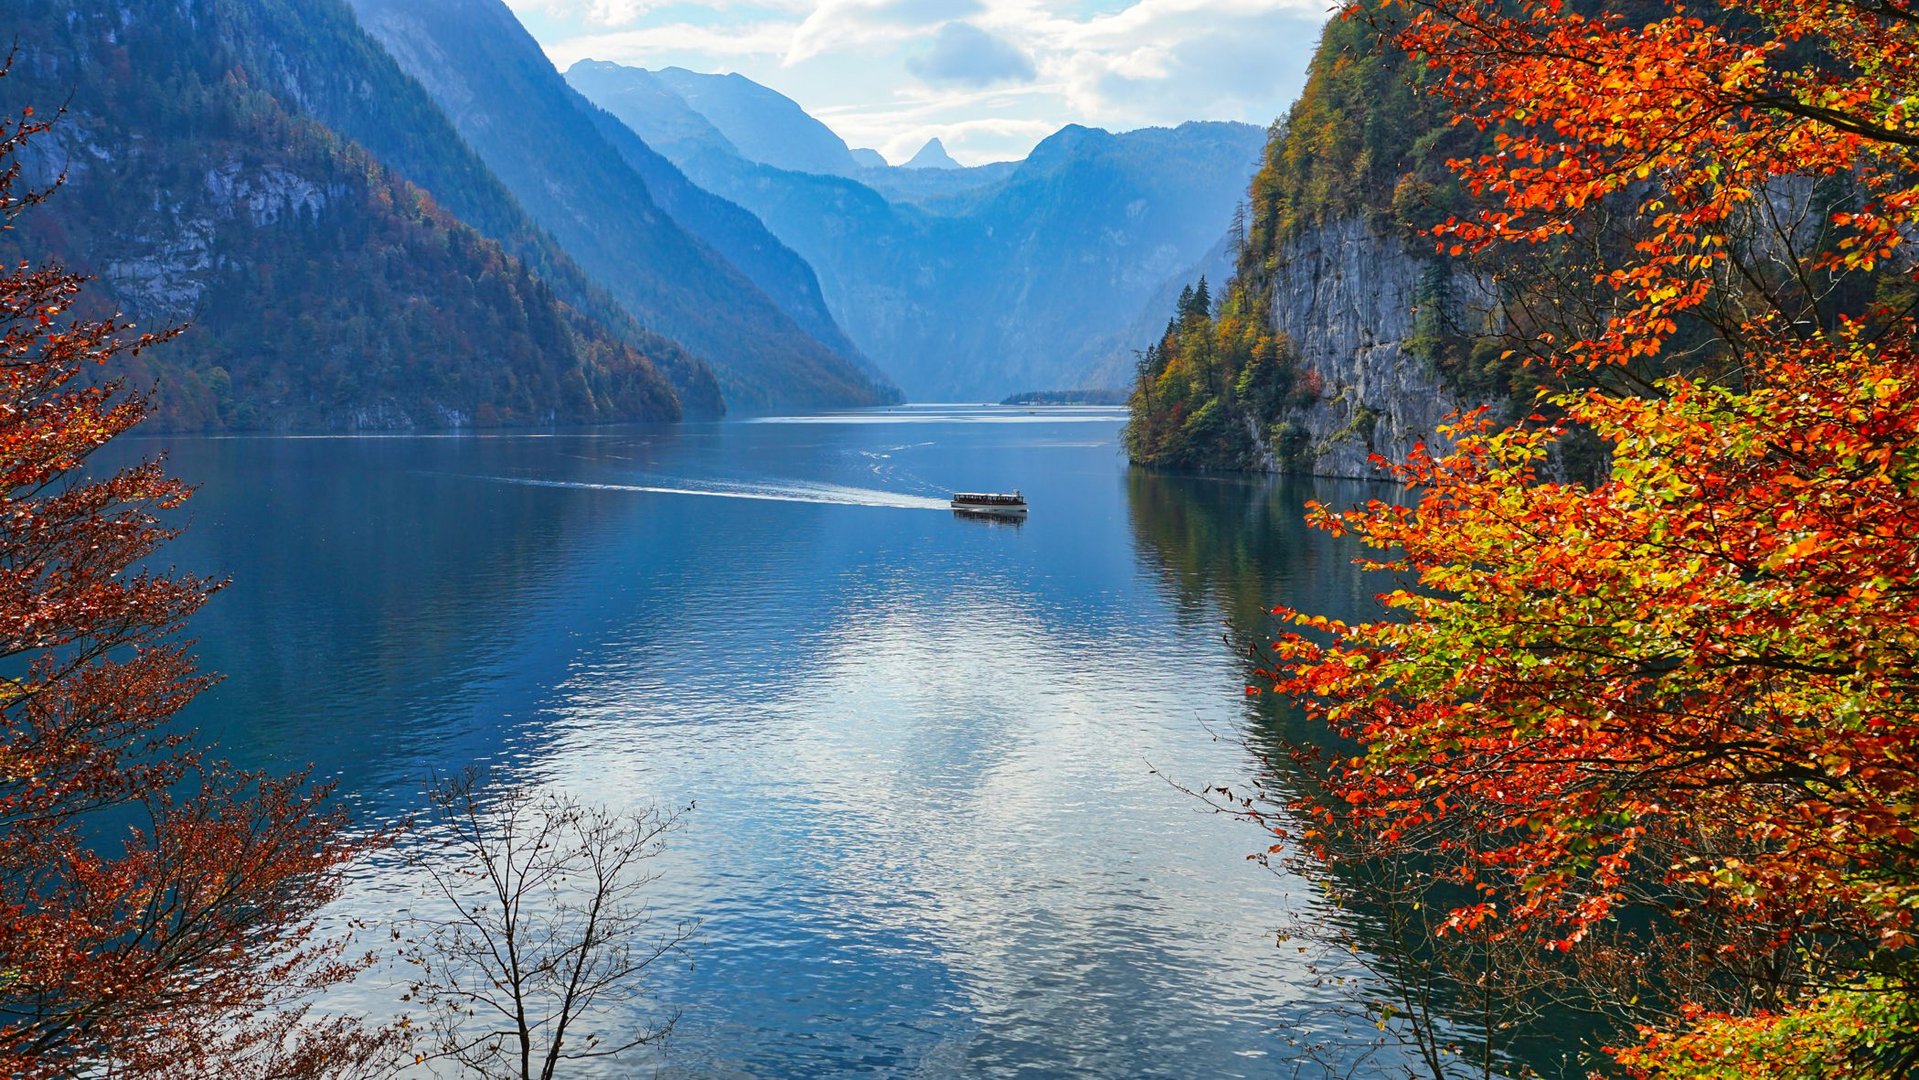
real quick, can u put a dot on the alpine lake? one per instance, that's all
(940, 769)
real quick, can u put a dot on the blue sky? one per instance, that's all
(989, 77)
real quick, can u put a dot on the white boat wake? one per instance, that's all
(820, 494)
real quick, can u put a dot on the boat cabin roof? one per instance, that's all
(993, 497)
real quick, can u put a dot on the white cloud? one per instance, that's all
(900, 132)
(592, 12)
(893, 73)
(658, 46)
(925, 12)
(964, 55)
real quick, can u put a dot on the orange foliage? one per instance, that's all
(1690, 685)
(156, 907)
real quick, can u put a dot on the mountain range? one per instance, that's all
(539, 137)
(321, 287)
(397, 213)
(963, 283)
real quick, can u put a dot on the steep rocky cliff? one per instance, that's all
(1347, 295)
(1342, 334)
(1366, 332)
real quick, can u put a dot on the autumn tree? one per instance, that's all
(1200, 368)
(1685, 691)
(157, 907)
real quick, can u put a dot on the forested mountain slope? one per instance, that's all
(322, 289)
(539, 137)
(317, 54)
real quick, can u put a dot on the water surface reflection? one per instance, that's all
(930, 838)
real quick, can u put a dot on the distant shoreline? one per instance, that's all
(1070, 397)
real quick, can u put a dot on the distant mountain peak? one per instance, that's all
(932, 156)
(870, 159)
(762, 124)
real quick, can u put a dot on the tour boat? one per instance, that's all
(990, 503)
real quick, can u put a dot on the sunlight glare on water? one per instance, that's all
(934, 761)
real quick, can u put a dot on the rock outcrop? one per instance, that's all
(1342, 335)
(1347, 295)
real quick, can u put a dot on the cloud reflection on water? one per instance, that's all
(928, 841)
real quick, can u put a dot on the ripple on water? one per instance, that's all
(929, 840)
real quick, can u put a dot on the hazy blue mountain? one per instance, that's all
(673, 127)
(540, 138)
(1113, 361)
(869, 159)
(764, 125)
(731, 230)
(1002, 279)
(943, 191)
(736, 234)
(1083, 233)
(931, 156)
(322, 288)
(902, 282)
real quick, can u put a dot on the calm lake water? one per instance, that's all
(934, 760)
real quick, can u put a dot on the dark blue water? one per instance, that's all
(934, 760)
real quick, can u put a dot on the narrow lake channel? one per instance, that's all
(935, 762)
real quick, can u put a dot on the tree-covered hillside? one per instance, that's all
(316, 53)
(539, 137)
(322, 289)
(1362, 139)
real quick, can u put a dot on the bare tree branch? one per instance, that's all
(541, 954)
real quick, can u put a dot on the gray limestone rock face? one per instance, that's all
(1346, 295)
(165, 268)
(266, 194)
